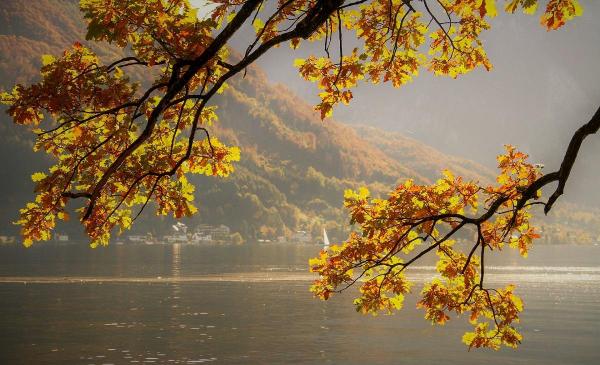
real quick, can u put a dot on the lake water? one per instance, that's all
(251, 305)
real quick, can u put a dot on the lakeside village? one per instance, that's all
(206, 234)
(202, 234)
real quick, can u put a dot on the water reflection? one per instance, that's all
(186, 305)
(419, 274)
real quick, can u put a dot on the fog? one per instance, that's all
(543, 86)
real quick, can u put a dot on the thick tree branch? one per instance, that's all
(459, 221)
(587, 129)
(174, 88)
(312, 20)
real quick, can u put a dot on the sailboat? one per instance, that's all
(325, 240)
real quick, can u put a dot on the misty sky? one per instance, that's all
(544, 85)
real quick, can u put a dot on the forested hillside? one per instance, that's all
(294, 167)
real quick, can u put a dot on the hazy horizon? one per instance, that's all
(542, 88)
(281, 256)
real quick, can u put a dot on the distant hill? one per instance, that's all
(294, 167)
(420, 157)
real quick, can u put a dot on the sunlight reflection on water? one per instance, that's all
(541, 274)
(251, 305)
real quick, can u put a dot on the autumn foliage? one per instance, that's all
(417, 219)
(87, 114)
(398, 40)
(121, 144)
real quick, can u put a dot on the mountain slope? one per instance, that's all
(294, 167)
(420, 157)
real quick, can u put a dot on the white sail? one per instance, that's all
(325, 239)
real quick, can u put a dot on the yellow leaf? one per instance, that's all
(38, 176)
(258, 25)
(418, 203)
(47, 59)
(448, 175)
(27, 242)
(454, 201)
(230, 17)
(118, 72)
(299, 62)
(490, 8)
(503, 179)
(531, 9)
(511, 6)
(578, 8)
(468, 338)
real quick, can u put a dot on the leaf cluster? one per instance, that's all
(414, 220)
